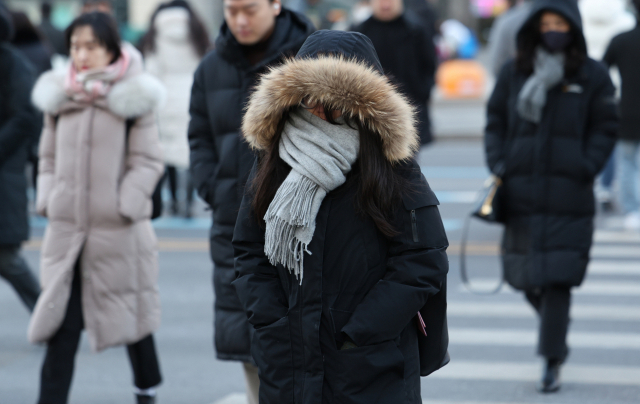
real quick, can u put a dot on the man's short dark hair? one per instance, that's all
(104, 27)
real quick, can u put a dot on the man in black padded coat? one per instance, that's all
(405, 46)
(255, 35)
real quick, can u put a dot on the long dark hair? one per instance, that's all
(379, 185)
(531, 39)
(197, 31)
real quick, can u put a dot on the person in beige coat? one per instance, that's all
(100, 161)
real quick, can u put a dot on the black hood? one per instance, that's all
(6, 26)
(567, 8)
(351, 45)
(290, 33)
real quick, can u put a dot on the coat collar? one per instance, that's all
(351, 86)
(135, 95)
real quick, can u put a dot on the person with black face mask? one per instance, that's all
(552, 124)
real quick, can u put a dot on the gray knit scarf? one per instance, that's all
(548, 71)
(320, 155)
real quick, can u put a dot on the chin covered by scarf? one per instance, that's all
(89, 85)
(320, 155)
(548, 71)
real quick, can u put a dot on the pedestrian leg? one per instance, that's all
(16, 271)
(554, 322)
(252, 381)
(172, 175)
(190, 193)
(629, 176)
(57, 369)
(534, 297)
(146, 368)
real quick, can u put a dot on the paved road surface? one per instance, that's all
(492, 338)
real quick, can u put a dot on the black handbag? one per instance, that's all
(489, 209)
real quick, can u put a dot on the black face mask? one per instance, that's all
(556, 41)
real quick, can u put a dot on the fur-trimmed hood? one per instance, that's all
(136, 94)
(344, 80)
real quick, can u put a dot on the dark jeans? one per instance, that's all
(57, 369)
(15, 270)
(552, 305)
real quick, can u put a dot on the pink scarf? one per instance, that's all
(89, 85)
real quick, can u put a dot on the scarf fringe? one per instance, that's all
(283, 247)
(300, 194)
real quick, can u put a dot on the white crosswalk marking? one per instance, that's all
(522, 310)
(510, 337)
(528, 372)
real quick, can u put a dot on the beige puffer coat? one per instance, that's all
(96, 192)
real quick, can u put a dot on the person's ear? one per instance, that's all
(277, 7)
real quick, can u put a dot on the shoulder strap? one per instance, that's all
(463, 264)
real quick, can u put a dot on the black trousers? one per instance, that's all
(57, 369)
(552, 304)
(16, 271)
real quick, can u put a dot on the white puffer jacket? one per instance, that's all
(603, 20)
(174, 61)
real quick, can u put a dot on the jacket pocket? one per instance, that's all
(271, 350)
(418, 228)
(366, 375)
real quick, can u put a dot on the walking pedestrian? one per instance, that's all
(552, 124)
(256, 34)
(624, 53)
(53, 35)
(18, 130)
(27, 40)
(603, 20)
(407, 52)
(502, 39)
(339, 241)
(100, 161)
(173, 47)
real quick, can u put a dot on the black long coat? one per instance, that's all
(19, 124)
(221, 160)
(550, 168)
(356, 281)
(407, 54)
(624, 53)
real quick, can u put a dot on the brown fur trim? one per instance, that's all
(350, 86)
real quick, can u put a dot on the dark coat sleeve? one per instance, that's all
(602, 126)
(417, 267)
(497, 122)
(21, 123)
(427, 53)
(257, 283)
(203, 156)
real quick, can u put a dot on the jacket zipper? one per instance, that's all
(414, 226)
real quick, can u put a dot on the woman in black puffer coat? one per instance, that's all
(352, 245)
(552, 125)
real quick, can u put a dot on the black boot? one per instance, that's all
(550, 382)
(145, 399)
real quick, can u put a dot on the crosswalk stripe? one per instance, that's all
(598, 288)
(612, 267)
(511, 337)
(578, 312)
(615, 251)
(608, 236)
(529, 372)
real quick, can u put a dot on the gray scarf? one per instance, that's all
(548, 71)
(320, 155)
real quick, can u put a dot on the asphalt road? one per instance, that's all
(492, 337)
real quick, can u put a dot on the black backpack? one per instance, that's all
(156, 198)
